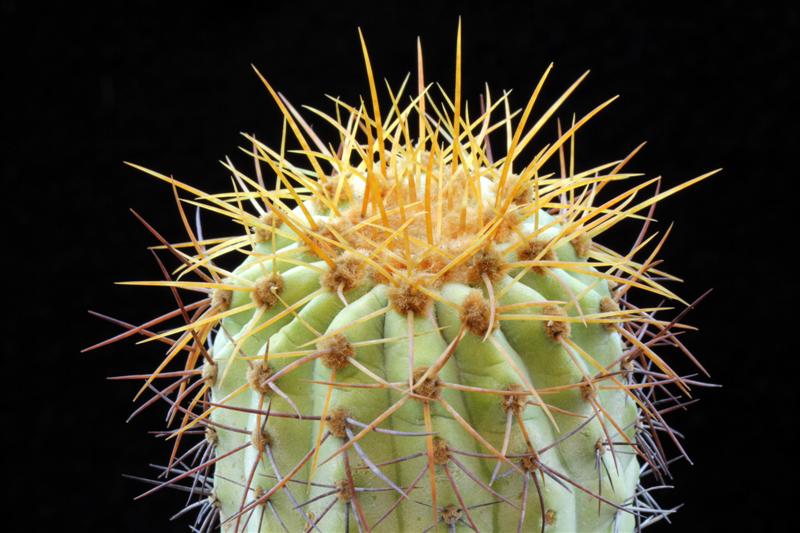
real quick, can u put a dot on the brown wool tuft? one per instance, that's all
(550, 517)
(507, 226)
(588, 391)
(627, 365)
(337, 350)
(555, 329)
(308, 527)
(600, 446)
(342, 225)
(608, 305)
(221, 299)
(344, 491)
(433, 264)
(486, 261)
(260, 439)
(209, 373)
(408, 298)
(347, 273)
(529, 463)
(450, 249)
(441, 453)
(515, 402)
(476, 314)
(451, 514)
(524, 196)
(324, 238)
(430, 388)
(266, 290)
(213, 500)
(534, 251)
(582, 244)
(330, 186)
(258, 375)
(376, 276)
(258, 493)
(211, 436)
(337, 423)
(263, 230)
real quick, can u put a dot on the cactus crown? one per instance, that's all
(419, 328)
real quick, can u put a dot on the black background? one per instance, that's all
(706, 84)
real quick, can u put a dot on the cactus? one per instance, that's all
(410, 333)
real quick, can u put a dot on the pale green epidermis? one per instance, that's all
(536, 358)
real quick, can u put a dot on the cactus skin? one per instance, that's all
(427, 341)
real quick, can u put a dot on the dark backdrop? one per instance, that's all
(705, 84)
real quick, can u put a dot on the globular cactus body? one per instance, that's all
(420, 337)
(463, 379)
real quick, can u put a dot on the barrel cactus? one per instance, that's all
(414, 330)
